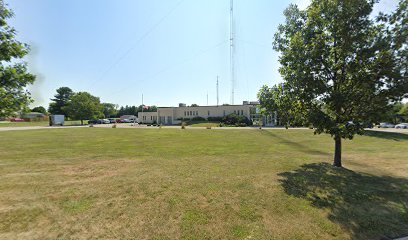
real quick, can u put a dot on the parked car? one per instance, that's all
(105, 121)
(386, 125)
(119, 121)
(112, 120)
(126, 121)
(16, 120)
(402, 125)
(94, 121)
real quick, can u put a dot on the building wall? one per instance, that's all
(147, 117)
(173, 115)
(213, 111)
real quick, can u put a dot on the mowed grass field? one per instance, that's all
(200, 184)
(35, 124)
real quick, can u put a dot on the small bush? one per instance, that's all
(114, 126)
(183, 119)
(234, 120)
(183, 125)
(208, 127)
(214, 119)
(197, 119)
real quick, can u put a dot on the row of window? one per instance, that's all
(151, 118)
(190, 113)
(238, 112)
(195, 113)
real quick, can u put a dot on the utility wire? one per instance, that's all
(200, 53)
(255, 43)
(147, 33)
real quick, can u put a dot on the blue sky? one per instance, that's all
(171, 51)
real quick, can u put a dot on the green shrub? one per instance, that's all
(233, 119)
(198, 119)
(215, 119)
(183, 119)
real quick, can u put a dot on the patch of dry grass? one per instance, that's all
(198, 184)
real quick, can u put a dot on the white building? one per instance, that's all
(175, 115)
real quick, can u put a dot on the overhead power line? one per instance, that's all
(147, 33)
(198, 54)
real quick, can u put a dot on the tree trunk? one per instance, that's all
(82, 122)
(337, 151)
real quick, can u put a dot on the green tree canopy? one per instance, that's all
(39, 109)
(60, 100)
(82, 106)
(146, 108)
(340, 65)
(110, 110)
(14, 77)
(280, 100)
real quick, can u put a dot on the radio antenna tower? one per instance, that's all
(232, 51)
(217, 91)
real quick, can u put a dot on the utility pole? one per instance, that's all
(207, 98)
(217, 91)
(232, 51)
(142, 109)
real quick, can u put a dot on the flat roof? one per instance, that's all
(235, 105)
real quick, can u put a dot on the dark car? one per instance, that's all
(112, 120)
(95, 121)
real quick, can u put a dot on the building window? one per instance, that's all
(185, 113)
(196, 113)
(191, 113)
(208, 113)
(242, 112)
(224, 112)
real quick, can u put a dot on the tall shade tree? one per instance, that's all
(82, 106)
(340, 65)
(39, 109)
(110, 109)
(14, 76)
(60, 100)
(282, 102)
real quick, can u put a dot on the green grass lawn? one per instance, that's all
(35, 124)
(205, 124)
(200, 184)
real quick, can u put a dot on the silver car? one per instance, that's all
(402, 125)
(386, 125)
(105, 121)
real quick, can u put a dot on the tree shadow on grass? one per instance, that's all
(298, 146)
(366, 206)
(386, 135)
